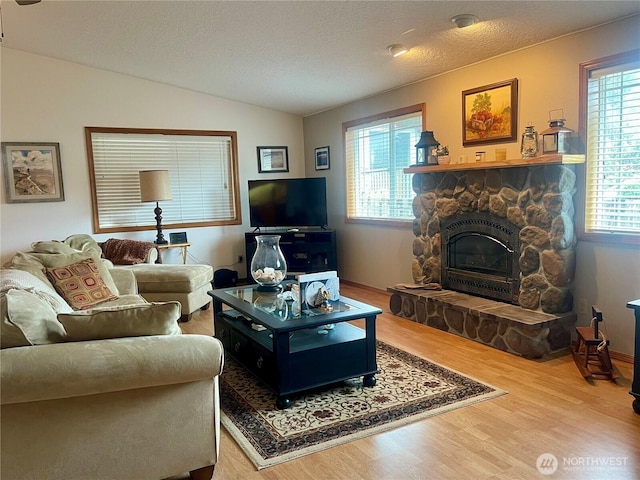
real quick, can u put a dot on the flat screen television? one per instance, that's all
(288, 202)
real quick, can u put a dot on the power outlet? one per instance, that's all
(240, 258)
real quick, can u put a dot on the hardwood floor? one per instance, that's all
(589, 427)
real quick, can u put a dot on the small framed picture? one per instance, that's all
(273, 159)
(32, 172)
(178, 237)
(316, 289)
(322, 158)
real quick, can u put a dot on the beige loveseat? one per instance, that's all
(113, 391)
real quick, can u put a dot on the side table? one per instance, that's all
(166, 246)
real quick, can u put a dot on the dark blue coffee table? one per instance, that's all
(289, 355)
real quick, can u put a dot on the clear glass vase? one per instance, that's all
(268, 265)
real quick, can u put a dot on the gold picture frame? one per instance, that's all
(32, 172)
(490, 114)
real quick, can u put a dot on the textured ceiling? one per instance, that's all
(300, 57)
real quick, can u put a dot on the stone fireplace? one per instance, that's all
(501, 243)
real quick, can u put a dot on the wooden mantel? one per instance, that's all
(518, 162)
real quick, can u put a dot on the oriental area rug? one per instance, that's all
(408, 389)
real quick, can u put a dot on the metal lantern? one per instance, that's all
(426, 149)
(556, 138)
(529, 143)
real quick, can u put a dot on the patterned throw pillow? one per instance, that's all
(80, 284)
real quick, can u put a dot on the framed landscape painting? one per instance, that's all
(32, 172)
(490, 113)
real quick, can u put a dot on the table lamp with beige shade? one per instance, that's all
(155, 187)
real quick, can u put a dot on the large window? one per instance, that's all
(610, 122)
(377, 149)
(202, 169)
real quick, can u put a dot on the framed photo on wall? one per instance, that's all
(32, 172)
(322, 158)
(490, 113)
(273, 159)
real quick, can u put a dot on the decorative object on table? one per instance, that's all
(556, 138)
(178, 237)
(322, 158)
(490, 113)
(591, 349)
(273, 159)
(268, 265)
(409, 389)
(501, 154)
(426, 149)
(155, 187)
(318, 289)
(529, 143)
(32, 172)
(443, 155)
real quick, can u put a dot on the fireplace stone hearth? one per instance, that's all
(500, 325)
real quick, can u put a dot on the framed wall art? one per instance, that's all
(32, 172)
(273, 159)
(490, 113)
(322, 158)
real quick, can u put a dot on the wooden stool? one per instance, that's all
(591, 350)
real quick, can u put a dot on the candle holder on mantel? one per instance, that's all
(426, 149)
(556, 138)
(529, 144)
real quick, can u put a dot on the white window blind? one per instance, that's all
(376, 152)
(202, 171)
(613, 150)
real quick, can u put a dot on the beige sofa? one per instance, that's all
(113, 391)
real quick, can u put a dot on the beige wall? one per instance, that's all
(607, 275)
(49, 100)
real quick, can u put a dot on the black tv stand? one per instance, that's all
(307, 250)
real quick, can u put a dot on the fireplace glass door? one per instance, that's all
(476, 252)
(480, 256)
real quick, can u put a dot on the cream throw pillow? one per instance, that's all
(127, 321)
(52, 246)
(34, 317)
(36, 263)
(10, 334)
(23, 280)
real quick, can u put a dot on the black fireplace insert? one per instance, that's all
(480, 255)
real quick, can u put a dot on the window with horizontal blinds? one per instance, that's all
(202, 169)
(377, 149)
(612, 187)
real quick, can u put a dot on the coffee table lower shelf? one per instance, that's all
(304, 360)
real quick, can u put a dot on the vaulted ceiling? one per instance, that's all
(300, 57)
